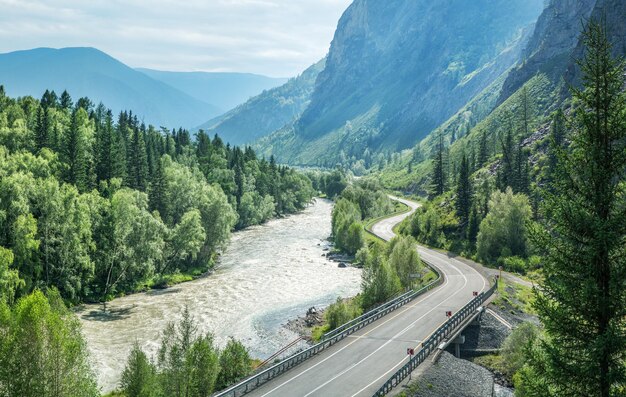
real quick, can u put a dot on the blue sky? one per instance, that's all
(272, 37)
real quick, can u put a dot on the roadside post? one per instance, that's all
(410, 352)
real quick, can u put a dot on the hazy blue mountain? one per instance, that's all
(268, 111)
(224, 90)
(396, 70)
(92, 73)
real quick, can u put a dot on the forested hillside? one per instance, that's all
(96, 206)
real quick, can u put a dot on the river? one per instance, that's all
(267, 275)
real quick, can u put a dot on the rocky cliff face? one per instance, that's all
(397, 69)
(556, 42)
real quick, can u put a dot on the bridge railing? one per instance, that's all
(253, 382)
(430, 344)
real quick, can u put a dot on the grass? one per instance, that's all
(514, 297)
(318, 331)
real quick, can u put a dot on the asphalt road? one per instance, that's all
(361, 363)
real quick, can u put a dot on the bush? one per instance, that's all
(503, 231)
(515, 347)
(235, 364)
(341, 312)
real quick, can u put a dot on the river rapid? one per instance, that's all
(268, 275)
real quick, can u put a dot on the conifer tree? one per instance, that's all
(464, 193)
(581, 301)
(138, 170)
(66, 101)
(41, 131)
(438, 178)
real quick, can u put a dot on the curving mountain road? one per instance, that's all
(361, 363)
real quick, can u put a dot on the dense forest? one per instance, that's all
(97, 207)
(91, 208)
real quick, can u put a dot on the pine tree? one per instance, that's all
(138, 165)
(66, 101)
(157, 189)
(483, 151)
(506, 172)
(473, 227)
(464, 193)
(118, 155)
(438, 178)
(557, 136)
(104, 147)
(581, 301)
(41, 131)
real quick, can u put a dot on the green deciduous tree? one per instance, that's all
(235, 364)
(188, 362)
(379, 281)
(42, 352)
(503, 231)
(139, 378)
(404, 259)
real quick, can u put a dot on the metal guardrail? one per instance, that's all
(253, 382)
(434, 340)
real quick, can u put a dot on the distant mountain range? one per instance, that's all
(169, 99)
(268, 111)
(224, 90)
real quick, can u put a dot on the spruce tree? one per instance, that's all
(464, 193)
(438, 178)
(138, 166)
(506, 172)
(66, 101)
(557, 132)
(41, 131)
(473, 227)
(582, 300)
(483, 151)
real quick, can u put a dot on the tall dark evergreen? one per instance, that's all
(439, 175)
(42, 128)
(473, 226)
(521, 179)
(581, 301)
(104, 147)
(464, 193)
(557, 136)
(138, 164)
(66, 101)
(157, 189)
(506, 172)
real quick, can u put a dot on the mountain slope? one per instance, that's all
(396, 70)
(268, 111)
(92, 73)
(546, 71)
(224, 90)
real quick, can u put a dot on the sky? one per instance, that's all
(278, 38)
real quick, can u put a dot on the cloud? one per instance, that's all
(272, 37)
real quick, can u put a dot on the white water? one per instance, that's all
(268, 275)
